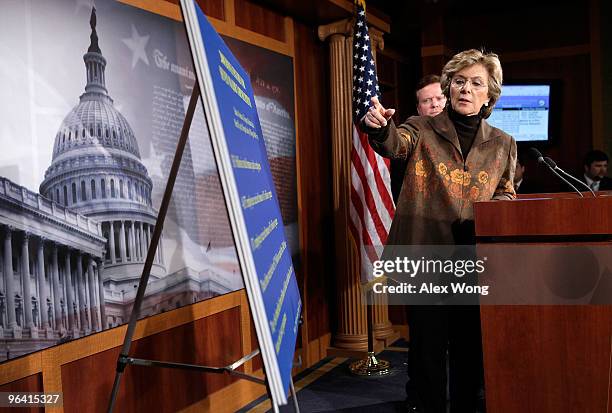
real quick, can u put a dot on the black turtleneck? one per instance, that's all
(466, 127)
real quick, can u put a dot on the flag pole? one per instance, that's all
(370, 365)
(365, 85)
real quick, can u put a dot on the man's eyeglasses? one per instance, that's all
(460, 83)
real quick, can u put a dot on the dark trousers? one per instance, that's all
(434, 331)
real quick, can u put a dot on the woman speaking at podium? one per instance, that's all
(453, 160)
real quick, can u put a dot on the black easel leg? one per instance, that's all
(144, 278)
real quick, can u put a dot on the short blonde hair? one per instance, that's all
(469, 58)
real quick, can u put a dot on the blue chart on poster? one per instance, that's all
(275, 278)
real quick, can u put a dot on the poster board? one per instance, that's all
(255, 217)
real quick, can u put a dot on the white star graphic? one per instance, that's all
(362, 13)
(368, 93)
(358, 34)
(137, 45)
(364, 47)
(362, 68)
(363, 58)
(369, 82)
(359, 24)
(367, 37)
(371, 72)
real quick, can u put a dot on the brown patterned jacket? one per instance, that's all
(435, 205)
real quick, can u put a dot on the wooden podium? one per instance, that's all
(547, 358)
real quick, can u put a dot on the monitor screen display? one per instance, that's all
(523, 111)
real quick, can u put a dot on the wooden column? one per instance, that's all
(352, 329)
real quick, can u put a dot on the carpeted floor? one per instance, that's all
(330, 387)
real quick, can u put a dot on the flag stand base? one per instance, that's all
(370, 366)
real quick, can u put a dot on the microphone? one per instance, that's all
(553, 165)
(538, 156)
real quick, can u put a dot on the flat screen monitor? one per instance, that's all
(524, 111)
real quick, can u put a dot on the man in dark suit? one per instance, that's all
(595, 171)
(522, 183)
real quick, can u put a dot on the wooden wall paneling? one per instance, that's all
(20, 368)
(212, 8)
(164, 8)
(387, 79)
(251, 37)
(596, 75)
(52, 377)
(230, 12)
(49, 362)
(381, 22)
(32, 383)
(258, 19)
(230, 398)
(542, 54)
(214, 340)
(171, 10)
(257, 362)
(544, 27)
(216, 8)
(435, 48)
(314, 163)
(245, 332)
(385, 68)
(605, 16)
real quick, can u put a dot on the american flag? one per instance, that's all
(371, 206)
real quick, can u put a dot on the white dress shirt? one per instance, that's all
(594, 185)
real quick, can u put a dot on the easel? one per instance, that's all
(124, 360)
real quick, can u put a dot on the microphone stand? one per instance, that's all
(546, 161)
(555, 167)
(564, 180)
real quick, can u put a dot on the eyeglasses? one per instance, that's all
(460, 83)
